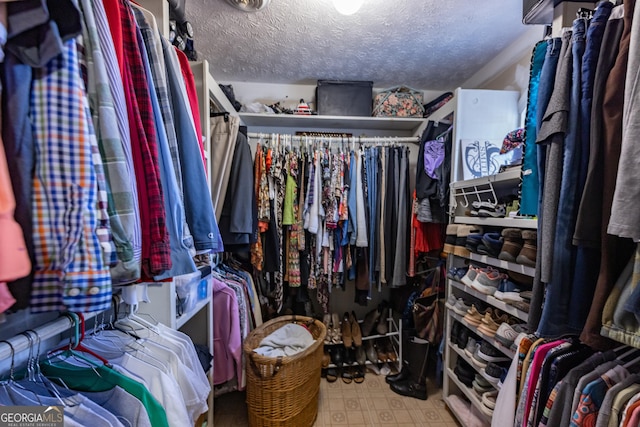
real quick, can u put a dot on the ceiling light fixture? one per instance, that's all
(347, 7)
(249, 5)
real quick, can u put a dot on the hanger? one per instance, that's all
(11, 382)
(224, 113)
(76, 344)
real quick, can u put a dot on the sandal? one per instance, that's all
(358, 375)
(347, 375)
(331, 375)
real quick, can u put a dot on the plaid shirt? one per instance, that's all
(69, 270)
(131, 220)
(121, 207)
(156, 252)
(150, 35)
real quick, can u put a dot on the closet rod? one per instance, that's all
(50, 329)
(366, 139)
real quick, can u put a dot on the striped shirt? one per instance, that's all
(69, 270)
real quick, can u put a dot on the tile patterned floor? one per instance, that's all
(371, 403)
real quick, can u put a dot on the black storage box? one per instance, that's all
(344, 98)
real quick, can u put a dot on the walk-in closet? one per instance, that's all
(279, 213)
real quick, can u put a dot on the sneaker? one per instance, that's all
(508, 291)
(526, 295)
(487, 282)
(480, 389)
(488, 326)
(482, 382)
(494, 372)
(476, 359)
(463, 337)
(460, 272)
(493, 243)
(489, 399)
(521, 305)
(471, 347)
(471, 274)
(464, 372)
(451, 301)
(460, 307)
(497, 211)
(487, 353)
(473, 316)
(506, 335)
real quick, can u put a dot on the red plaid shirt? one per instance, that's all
(156, 252)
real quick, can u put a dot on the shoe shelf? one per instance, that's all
(391, 321)
(497, 222)
(447, 400)
(469, 360)
(490, 299)
(491, 340)
(511, 266)
(469, 394)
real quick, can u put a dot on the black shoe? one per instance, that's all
(370, 321)
(337, 355)
(410, 388)
(400, 376)
(463, 337)
(349, 356)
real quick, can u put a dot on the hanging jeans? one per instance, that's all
(587, 258)
(545, 90)
(557, 310)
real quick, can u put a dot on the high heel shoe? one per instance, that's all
(356, 333)
(336, 336)
(326, 319)
(383, 324)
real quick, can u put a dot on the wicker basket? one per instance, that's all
(284, 391)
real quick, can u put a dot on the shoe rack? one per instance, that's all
(464, 193)
(394, 335)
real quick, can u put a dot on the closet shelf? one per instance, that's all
(506, 351)
(497, 222)
(185, 317)
(330, 122)
(447, 400)
(469, 393)
(503, 177)
(370, 337)
(442, 114)
(490, 299)
(467, 359)
(506, 265)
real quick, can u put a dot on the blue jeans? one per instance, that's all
(556, 311)
(530, 181)
(587, 258)
(545, 88)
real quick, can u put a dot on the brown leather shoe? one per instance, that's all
(326, 359)
(356, 334)
(346, 331)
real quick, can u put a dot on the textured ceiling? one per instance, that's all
(420, 43)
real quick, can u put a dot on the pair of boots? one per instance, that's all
(376, 320)
(351, 333)
(519, 246)
(411, 381)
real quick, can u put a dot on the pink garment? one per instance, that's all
(534, 369)
(6, 299)
(14, 259)
(634, 420)
(227, 340)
